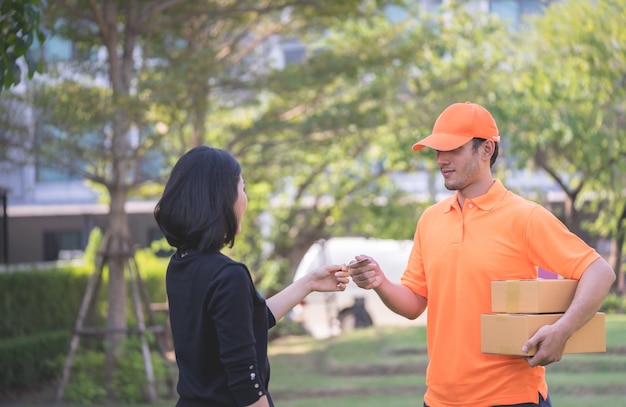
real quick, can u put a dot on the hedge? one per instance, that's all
(38, 313)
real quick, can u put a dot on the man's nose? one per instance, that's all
(442, 157)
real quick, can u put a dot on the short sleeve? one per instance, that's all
(414, 276)
(553, 247)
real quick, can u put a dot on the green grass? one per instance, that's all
(616, 331)
(593, 379)
(385, 366)
(384, 361)
(363, 362)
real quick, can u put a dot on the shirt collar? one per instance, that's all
(485, 202)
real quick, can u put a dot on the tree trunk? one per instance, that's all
(571, 215)
(120, 49)
(117, 253)
(618, 266)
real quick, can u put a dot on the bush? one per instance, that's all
(29, 360)
(286, 327)
(87, 385)
(40, 300)
(39, 309)
(130, 381)
(613, 304)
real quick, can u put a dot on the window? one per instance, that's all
(51, 174)
(294, 52)
(4, 225)
(514, 11)
(155, 235)
(57, 49)
(53, 171)
(150, 164)
(395, 14)
(57, 243)
(399, 13)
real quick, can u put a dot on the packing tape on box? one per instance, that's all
(512, 295)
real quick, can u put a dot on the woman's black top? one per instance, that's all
(219, 326)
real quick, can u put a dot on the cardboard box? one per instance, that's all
(505, 334)
(532, 296)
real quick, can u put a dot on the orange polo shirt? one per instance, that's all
(456, 255)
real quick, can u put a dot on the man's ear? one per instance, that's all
(488, 149)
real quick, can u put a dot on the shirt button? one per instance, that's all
(471, 205)
(251, 367)
(252, 376)
(256, 385)
(260, 393)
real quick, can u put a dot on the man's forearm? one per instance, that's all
(401, 299)
(592, 288)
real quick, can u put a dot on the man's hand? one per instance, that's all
(550, 343)
(395, 296)
(366, 275)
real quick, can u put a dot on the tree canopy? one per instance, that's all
(19, 30)
(563, 111)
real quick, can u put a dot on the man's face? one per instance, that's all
(460, 167)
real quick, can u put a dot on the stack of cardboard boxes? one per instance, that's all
(520, 307)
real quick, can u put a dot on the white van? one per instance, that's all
(327, 314)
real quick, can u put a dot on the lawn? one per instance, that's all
(386, 366)
(374, 367)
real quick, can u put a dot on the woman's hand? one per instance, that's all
(329, 278)
(326, 278)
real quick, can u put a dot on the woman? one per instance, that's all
(219, 321)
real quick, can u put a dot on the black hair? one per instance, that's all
(477, 141)
(197, 208)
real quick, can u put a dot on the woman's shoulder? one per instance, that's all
(224, 266)
(207, 264)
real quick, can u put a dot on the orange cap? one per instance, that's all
(457, 125)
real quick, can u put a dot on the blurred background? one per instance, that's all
(319, 100)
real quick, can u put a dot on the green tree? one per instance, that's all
(19, 29)
(105, 118)
(331, 133)
(318, 140)
(564, 110)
